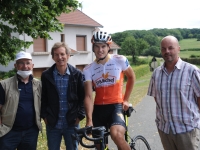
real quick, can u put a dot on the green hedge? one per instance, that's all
(195, 61)
(141, 70)
(191, 49)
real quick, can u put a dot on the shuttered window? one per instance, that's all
(39, 45)
(37, 72)
(80, 43)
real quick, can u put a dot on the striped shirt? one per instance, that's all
(61, 82)
(176, 97)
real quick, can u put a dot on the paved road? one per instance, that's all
(143, 123)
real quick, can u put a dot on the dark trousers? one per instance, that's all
(20, 140)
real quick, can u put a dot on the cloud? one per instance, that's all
(118, 16)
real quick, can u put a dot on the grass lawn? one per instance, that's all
(189, 44)
(187, 54)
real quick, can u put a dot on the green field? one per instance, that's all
(187, 54)
(189, 44)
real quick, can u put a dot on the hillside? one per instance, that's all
(189, 44)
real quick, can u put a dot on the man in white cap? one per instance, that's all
(20, 107)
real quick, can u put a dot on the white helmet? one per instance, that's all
(101, 37)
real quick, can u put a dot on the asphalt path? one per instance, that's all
(142, 122)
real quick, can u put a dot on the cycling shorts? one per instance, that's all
(107, 116)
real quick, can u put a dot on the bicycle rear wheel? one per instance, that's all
(139, 143)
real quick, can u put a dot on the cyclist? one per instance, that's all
(105, 74)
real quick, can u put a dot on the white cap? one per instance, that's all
(23, 55)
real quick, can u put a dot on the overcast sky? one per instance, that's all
(121, 15)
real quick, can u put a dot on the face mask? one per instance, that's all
(24, 74)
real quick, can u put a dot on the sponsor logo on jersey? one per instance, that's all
(110, 64)
(105, 78)
(127, 63)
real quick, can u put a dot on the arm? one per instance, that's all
(0, 113)
(81, 96)
(43, 99)
(88, 103)
(129, 86)
(2, 99)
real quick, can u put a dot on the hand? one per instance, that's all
(125, 105)
(89, 124)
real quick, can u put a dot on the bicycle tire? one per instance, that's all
(139, 143)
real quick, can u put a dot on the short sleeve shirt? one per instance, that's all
(176, 97)
(107, 79)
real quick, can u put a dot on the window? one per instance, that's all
(80, 43)
(62, 37)
(39, 45)
(37, 72)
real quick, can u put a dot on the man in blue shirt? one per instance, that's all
(62, 99)
(20, 107)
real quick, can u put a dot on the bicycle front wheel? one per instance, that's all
(139, 143)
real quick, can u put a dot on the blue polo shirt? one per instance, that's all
(25, 116)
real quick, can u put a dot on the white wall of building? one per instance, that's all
(44, 60)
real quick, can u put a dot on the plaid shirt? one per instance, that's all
(61, 85)
(176, 97)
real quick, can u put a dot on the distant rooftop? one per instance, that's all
(77, 17)
(114, 46)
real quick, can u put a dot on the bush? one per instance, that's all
(195, 61)
(194, 56)
(5, 75)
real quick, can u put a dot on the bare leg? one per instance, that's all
(117, 135)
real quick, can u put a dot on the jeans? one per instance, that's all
(20, 140)
(54, 137)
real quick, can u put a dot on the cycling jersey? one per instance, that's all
(107, 79)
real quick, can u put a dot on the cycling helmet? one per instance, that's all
(101, 37)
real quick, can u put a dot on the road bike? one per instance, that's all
(136, 143)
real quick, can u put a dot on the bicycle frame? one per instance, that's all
(80, 133)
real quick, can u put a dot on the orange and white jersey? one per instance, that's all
(107, 79)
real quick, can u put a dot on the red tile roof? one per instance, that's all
(114, 46)
(77, 17)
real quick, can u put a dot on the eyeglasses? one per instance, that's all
(21, 63)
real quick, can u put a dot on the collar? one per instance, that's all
(106, 59)
(177, 65)
(29, 79)
(57, 72)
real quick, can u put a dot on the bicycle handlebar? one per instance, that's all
(82, 132)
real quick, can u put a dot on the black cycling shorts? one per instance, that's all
(108, 115)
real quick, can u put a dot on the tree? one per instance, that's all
(198, 37)
(153, 51)
(36, 18)
(141, 46)
(151, 39)
(129, 47)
